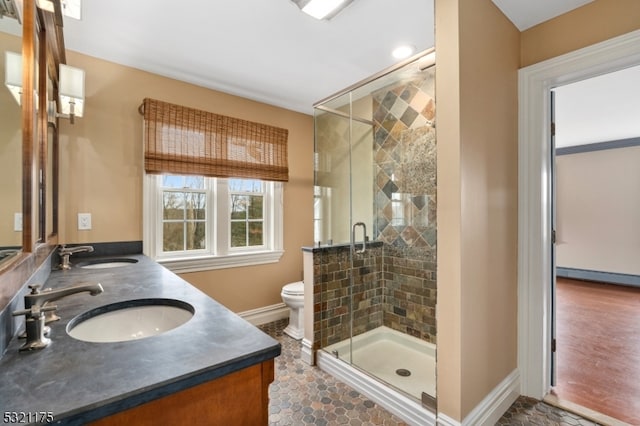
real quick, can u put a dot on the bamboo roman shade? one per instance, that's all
(187, 141)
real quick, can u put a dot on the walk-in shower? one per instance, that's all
(375, 231)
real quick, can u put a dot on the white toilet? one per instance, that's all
(293, 296)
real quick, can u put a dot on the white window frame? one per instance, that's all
(218, 254)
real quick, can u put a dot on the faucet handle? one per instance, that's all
(35, 327)
(35, 288)
(35, 311)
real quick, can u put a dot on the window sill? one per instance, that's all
(206, 263)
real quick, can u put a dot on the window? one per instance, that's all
(212, 188)
(195, 223)
(247, 213)
(184, 214)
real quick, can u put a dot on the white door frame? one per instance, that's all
(534, 194)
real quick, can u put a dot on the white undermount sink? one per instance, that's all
(130, 320)
(107, 263)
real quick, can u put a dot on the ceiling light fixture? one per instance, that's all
(403, 52)
(322, 9)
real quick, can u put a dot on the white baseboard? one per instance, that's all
(266, 314)
(492, 407)
(306, 352)
(444, 420)
(496, 403)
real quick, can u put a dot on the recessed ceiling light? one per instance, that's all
(403, 52)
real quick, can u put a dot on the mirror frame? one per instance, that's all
(42, 44)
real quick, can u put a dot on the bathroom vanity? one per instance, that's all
(213, 369)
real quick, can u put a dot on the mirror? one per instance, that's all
(28, 143)
(10, 151)
(50, 212)
(29, 163)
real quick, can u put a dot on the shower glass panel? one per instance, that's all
(375, 168)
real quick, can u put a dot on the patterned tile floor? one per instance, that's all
(305, 395)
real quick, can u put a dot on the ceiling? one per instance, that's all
(599, 109)
(527, 13)
(266, 50)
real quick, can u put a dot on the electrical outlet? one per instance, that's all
(17, 222)
(84, 221)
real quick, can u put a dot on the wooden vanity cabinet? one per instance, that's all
(239, 398)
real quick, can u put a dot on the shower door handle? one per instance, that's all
(364, 237)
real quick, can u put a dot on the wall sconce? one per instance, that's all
(11, 9)
(70, 8)
(322, 9)
(46, 5)
(71, 92)
(13, 74)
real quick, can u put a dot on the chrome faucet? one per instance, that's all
(41, 298)
(44, 297)
(39, 312)
(65, 252)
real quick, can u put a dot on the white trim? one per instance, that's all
(221, 262)
(534, 200)
(408, 409)
(306, 352)
(496, 403)
(266, 314)
(492, 407)
(444, 420)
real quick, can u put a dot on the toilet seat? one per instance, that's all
(294, 289)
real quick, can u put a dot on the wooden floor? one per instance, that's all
(598, 347)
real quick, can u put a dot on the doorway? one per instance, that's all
(596, 202)
(535, 269)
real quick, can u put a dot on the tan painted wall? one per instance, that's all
(10, 152)
(476, 89)
(449, 210)
(587, 25)
(598, 206)
(101, 173)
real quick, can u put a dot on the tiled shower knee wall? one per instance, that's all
(391, 286)
(334, 300)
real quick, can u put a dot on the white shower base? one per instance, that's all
(381, 352)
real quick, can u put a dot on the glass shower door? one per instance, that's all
(344, 219)
(375, 170)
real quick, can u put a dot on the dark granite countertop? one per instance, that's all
(80, 381)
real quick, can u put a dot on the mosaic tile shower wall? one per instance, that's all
(394, 283)
(405, 202)
(334, 301)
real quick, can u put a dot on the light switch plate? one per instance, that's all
(84, 221)
(17, 222)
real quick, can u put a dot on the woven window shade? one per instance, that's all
(187, 141)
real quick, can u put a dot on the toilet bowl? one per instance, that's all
(293, 296)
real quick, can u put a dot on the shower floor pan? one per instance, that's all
(406, 363)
